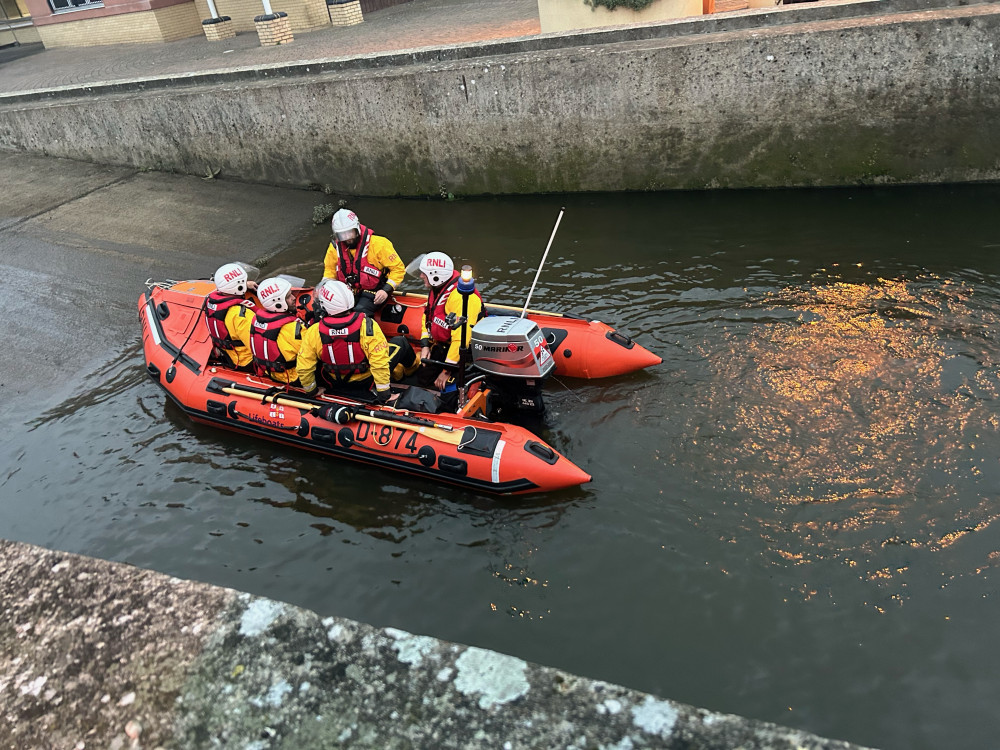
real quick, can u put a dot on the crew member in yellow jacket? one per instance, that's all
(437, 338)
(363, 260)
(276, 332)
(344, 351)
(229, 317)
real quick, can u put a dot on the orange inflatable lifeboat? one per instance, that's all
(462, 449)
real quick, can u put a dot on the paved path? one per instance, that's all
(421, 23)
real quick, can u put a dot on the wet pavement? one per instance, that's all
(80, 239)
(413, 25)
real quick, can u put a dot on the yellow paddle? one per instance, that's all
(345, 414)
(434, 433)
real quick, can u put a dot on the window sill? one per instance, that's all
(88, 6)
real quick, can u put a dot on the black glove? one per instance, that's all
(383, 397)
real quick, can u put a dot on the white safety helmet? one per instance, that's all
(334, 296)
(437, 267)
(273, 294)
(345, 222)
(231, 279)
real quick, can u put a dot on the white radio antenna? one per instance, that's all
(544, 256)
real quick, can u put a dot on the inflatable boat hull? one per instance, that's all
(484, 456)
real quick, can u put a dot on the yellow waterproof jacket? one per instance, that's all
(381, 254)
(289, 347)
(373, 344)
(239, 319)
(454, 305)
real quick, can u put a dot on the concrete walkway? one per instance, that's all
(421, 23)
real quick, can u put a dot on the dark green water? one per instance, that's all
(793, 518)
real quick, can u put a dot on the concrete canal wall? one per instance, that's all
(881, 91)
(96, 654)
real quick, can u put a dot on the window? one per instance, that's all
(63, 5)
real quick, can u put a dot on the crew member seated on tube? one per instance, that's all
(276, 332)
(438, 340)
(229, 316)
(346, 352)
(363, 260)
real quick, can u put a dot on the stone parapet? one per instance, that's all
(100, 654)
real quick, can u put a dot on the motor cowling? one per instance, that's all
(516, 359)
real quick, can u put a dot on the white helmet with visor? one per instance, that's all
(335, 297)
(437, 267)
(231, 278)
(273, 294)
(345, 225)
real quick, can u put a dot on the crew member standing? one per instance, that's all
(229, 316)
(276, 332)
(437, 338)
(363, 260)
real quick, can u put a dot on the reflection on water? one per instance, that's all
(876, 399)
(792, 518)
(850, 387)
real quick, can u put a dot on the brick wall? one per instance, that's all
(161, 25)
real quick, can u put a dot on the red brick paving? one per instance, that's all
(421, 23)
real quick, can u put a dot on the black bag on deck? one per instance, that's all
(419, 399)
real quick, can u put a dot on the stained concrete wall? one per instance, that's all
(874, 92)
(102, 655)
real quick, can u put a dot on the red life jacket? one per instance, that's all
(356, 270)
(216, 307)
(264, 341)
(342, 355)
(434, 310)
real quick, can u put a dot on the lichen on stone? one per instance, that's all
(655, 716)
(259, 616)
(412, 648)
(497, 678)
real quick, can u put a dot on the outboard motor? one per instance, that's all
(513, 354)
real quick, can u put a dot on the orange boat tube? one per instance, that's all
(581, 348)
(486, 456)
